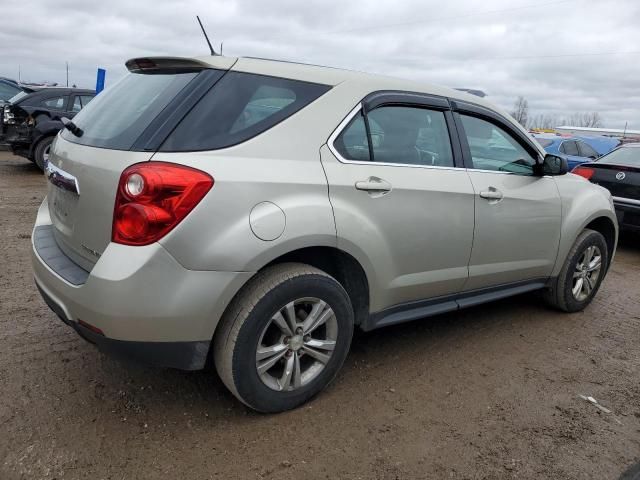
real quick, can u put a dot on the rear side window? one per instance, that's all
(239, 107)
(586, 150)
(56, 103)
(116, 118)
(570, 148)
(352, 143)
(402, 135)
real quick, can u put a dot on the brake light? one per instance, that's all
(585, 172)
(154, 197)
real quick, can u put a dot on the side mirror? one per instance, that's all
(554, 165)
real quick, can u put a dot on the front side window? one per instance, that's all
(492, 148)
(239, 107)
(402, 135)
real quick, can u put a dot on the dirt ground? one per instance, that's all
(489, 392)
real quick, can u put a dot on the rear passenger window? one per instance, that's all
(411, 136)
(352, 143)
(570, 148)
(494, 149)
(239, 107)
(586, 150)
(56, 103)
(402, 135)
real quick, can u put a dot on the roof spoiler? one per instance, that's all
(165, 65)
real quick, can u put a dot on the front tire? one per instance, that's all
(284, 337)
(41, 152)
(582, 273)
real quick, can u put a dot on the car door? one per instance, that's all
(569, 148)
(55, 106)
(517, 212)
(403, 203)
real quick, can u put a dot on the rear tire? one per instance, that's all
(297, 319)
(41, 152)
(582, 273)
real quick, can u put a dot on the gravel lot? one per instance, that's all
(489, 392)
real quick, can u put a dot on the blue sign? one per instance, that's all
(102, 73)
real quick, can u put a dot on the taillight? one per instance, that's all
(154, 197)
(585, 172)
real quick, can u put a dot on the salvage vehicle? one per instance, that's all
(32, 120)
(8, 90)
(574, 150)
(619, 172)
(251, 213)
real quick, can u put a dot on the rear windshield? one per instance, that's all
(623, 156)
(117, 117)
(239, 107)
(236, 107)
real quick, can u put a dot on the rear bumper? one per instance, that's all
(628, 213)
(148, 306)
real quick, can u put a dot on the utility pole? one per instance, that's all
(19, 79)
(625, 129)
(67, 63)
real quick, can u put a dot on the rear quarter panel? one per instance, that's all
(281, 166)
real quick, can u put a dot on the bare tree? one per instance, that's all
(585, 119)
(544, 121)
(521, 111)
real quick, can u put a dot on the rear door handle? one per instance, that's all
(374, 185)
(491, 194)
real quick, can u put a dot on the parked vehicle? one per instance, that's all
(8, 89)
(619, 172)
(574, 150)
(32, 120)
(601, 144)
(255, 212)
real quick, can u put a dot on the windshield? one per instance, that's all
(623, 156)
(116, 117)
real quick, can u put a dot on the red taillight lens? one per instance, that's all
(153, 198)
(585, 172)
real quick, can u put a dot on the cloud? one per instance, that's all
(549, 53)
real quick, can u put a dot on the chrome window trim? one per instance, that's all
(629, 201)
(343, 124)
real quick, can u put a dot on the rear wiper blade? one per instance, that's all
(72, 127)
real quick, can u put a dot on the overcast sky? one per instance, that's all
(562, 56)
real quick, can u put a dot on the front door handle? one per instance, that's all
(374, 185)
(491, 194)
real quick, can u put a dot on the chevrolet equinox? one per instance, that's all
(252, 213)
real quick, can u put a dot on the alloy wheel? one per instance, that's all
(586, 273)
(296, 344)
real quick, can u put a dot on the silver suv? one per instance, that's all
(254, 212)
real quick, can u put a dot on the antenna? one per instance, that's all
(213, 52)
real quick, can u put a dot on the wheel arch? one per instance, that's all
(339, 264)
(605, 226)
